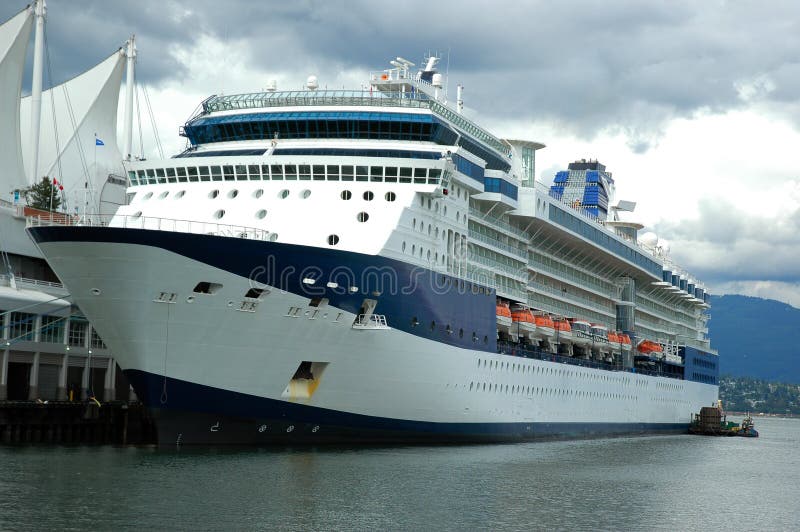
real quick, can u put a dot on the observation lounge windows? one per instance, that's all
(419, 175)
(216, 173)
(347, 173)
(160, 175)
(241, 172)
(318, 172)
(254, 172)
(305, 172)
(376, 174)
(277, 172)
(434, 174)
(151, 177)
(333, 172)
(142, 177)
(193, 176)
(181, 175)
(362, 173)
(391, 174)
(405, 174)
(290, 172)
(264, 172)
(227, 172)
(171, 176)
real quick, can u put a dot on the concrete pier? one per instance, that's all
(64, 422)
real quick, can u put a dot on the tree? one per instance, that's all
(43, 195)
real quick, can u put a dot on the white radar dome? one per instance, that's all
(272, 85)
(312, 83)
(649, 239)
(437, 80)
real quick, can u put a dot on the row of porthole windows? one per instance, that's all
(450, 331)
(426, 254)
(361, 217)
(537, 390)
(283, 194)
(559, 372)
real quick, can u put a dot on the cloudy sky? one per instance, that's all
(693, 105)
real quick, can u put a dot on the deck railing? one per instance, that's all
(153, 223)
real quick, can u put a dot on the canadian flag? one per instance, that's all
(56, 183)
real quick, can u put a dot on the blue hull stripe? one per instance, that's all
(187, 413)
(413, 299)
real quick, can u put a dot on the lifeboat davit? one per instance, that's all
(545, 328)
(563, 330)
(503, 315)
(646, 347)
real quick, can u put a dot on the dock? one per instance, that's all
(75, 422)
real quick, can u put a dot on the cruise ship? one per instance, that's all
(373, 266)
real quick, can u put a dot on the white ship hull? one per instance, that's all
(215, 373)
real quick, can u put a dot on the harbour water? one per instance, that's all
(652, 483)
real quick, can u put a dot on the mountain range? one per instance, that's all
(756, 338)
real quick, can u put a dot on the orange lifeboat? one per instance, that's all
(624, 340)
(523, 316)
(503, 316)
(647, 347)
(562, 325)
(503, 310)
(563, 330)
(545, 328)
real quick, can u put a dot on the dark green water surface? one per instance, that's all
(653, 483)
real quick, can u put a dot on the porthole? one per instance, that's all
(258, 193)
(346, 195)
(180, 194)
(213, 194)
(283, 194)
(273, 237)
(390, 196)
(261, 214)
(306, 193)
(368, 196)
(219, 214)
(333, 240)
(147, 196)
(163, 194)
(233, 193)
(362, 217)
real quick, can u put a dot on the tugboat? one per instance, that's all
(747, 429)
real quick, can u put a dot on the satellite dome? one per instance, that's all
(312, 83)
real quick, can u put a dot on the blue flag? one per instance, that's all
(98, 142)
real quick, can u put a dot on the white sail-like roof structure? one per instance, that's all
(85, 109)
(14, 37)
